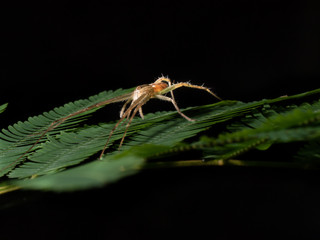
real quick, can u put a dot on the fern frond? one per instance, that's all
(3, 107)
(19, 137)
(164, 128)
(299, 124)
(94, 174)
(57, 162)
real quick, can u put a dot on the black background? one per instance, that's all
(54, 52)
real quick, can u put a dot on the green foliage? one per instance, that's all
(3, 107)
(66, 158)
(282, 126)
(94, 174)
(18, 138)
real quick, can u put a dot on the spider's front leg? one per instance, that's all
(170, 87)
(185, 84)
(124, 107)
(165, 98)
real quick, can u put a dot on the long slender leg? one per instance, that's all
(171, 92)
(183, 84)
(111, 133)
(125, 115)
(164, 79)
(141, 113)
(124, 107)
(175, 105)
(130, 120)
(173, 100)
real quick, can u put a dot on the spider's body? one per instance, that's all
(143, 93)
(158, 87)
(152, 88)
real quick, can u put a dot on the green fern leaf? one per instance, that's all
(3, 107)
(56, 162)
(58, 154)
(299, 124)
(72, 148)
(19, 137)
(94, 174)
(162, 128)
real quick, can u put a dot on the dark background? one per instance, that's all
(54, 52)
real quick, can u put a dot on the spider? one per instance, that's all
(140, 96)
(143, 93)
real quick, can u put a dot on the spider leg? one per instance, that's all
(141, 113)
(165, 98)
(111, 133)
(172, 99)
(138, 108)
(164, 79)
(184, 84)
(124, 107)
(126, 114)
